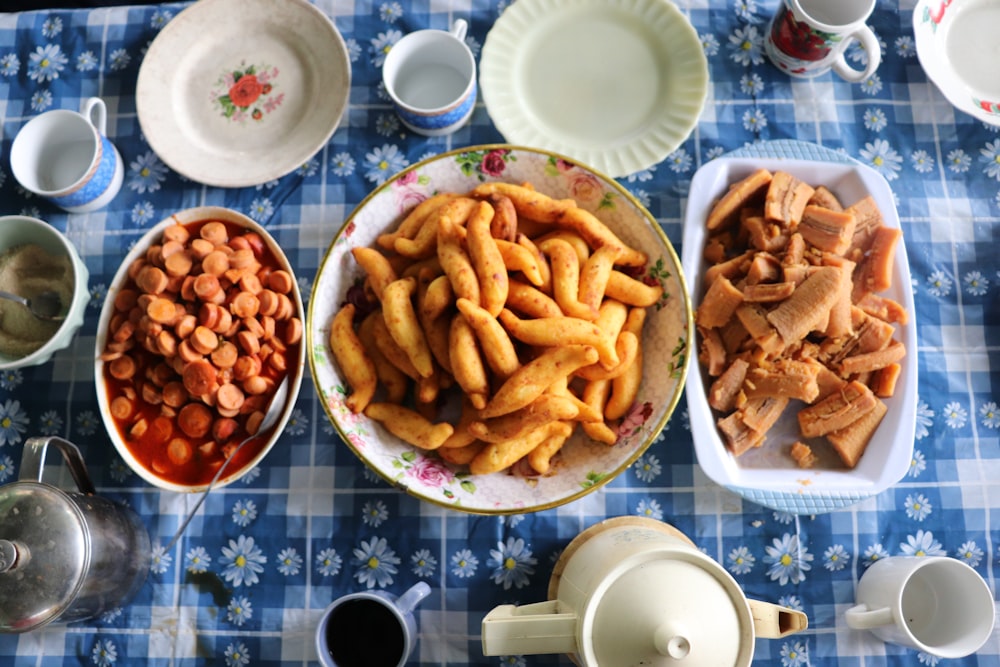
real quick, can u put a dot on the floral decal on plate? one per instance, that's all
(431, 472)
(935, 16)
(247, 92)
(987, 106)
(484, 163)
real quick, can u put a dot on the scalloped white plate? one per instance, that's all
(767, 475)
(582, 465)
(954, 45)
(616, 84)
(206, 125)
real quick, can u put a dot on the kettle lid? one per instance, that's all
(682, 611)
(44, 554)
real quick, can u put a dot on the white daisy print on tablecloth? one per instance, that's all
(740, 560)
(119, 60)
(976, 284)
(791, 601)
(104, 653)
(970, 553)
(41, 99)
(239, 610)
(709, 44)
(989, 414)
(342, 164)
(423, 563)
(917, 506)
(143, 213)
(9, 64)
(874, 119)
(873, 553)
(990, 156)
(11, 378)
(464, 564)
(789, 560)
(883, 158)
(237, 655)
(922, 544)
(375, 563)
(244, 512)
(353, 49)
(647, 468)
(383, 162)
(374, 513)
(905, 47)
(917, 464)
(955, 415)
(328, 562)
(751, 84)
(87, 423)
(261, 209)
(381, 45)
(872, 85)
(939, 284)
(46, 63)
(958, 161)
(925, 419)
(13, 422)
(243, 561)
(160, 561)
(922, 161)
(147, 173)
(746, 46)
(649, 508)
(390, 12)
(512, 563)
(289, 562)
(197, 560)
(6, 468)
(86, 62)
(836, 558)
(50, 423)
(794, 654)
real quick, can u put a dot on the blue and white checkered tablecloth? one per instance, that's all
(311, 514)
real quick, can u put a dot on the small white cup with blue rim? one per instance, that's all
(431, 77)
(65, 156)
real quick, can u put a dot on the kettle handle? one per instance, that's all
(530, 629)
(33, 460)
(771, 621)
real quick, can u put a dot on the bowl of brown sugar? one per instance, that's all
(35, 257)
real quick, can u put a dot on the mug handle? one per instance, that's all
(96, 113)
(459, 28)
(33, 461)
(412, 597)
(870, 43)
(860, 617)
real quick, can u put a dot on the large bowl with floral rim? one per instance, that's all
(582, 465)
(954, 40)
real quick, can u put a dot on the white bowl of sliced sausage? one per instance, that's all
(802, 394)
(202, 322)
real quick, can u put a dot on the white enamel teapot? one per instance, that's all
(636, 591)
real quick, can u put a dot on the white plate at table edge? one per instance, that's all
(790, 488)
(932, 53)
(505, 99)
(586, 465)
(191, 139)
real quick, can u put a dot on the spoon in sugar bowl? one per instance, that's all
(46, 305)
(270, 418)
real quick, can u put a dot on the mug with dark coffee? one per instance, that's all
(369, 629)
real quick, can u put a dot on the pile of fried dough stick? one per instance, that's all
(520, 307)
(791, 312)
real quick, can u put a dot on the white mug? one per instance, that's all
(807, 38)
(934, 604)
(431, 77)
(67, 158)
(369, 628)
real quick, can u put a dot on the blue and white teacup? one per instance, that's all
(431, 77)
(66, 157)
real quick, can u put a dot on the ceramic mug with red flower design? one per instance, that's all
(807, 38)
(431, 77)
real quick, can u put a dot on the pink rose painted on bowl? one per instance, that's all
(585, 187)
(430, 472)
(494, 163)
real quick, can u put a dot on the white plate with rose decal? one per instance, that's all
(954, 45)
(250, 98)
(583, 464)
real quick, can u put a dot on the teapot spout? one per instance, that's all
(771, 621)
(531, 629)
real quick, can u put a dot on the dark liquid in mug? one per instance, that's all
(364, 633)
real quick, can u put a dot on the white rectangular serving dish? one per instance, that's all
(769, 469)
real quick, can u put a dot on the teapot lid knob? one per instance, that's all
(8, 555)
(671, 641)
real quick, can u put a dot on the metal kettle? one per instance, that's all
(64, 556)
